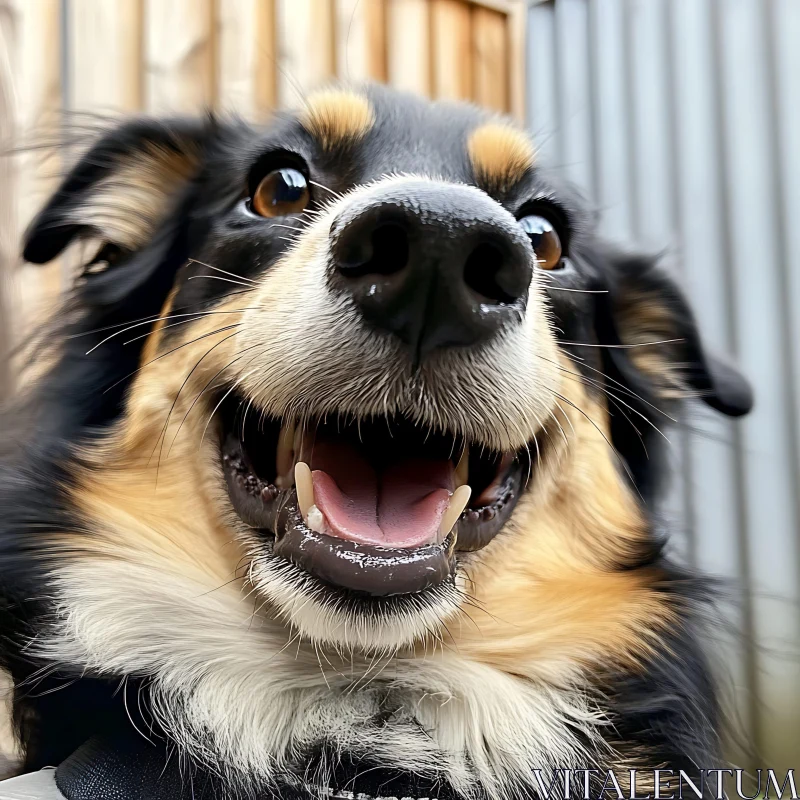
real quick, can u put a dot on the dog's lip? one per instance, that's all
(368, 567)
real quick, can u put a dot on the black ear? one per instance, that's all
(132, 191)
(654, 341)
(121, 189)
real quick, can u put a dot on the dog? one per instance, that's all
(340, 477)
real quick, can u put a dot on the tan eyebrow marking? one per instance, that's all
(337, 117)
(501, 154)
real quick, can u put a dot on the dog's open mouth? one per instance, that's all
(373, 505)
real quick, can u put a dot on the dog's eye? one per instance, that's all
(546, 242)
(281, 192)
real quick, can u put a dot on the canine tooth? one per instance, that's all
(462, 469)
(305, 488)
(458, 502)
(284, 457)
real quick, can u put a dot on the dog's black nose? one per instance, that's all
(436, 264)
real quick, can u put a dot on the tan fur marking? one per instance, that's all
(159, 501)
(337, 117)
(151, 345)
(644, 318)
(550, 613)
(126, 206)
(500, 155)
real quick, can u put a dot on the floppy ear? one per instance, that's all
(133, 191)
(644, 305)
(121, 192)
(120, 188)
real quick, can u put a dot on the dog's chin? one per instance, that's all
(356, 527)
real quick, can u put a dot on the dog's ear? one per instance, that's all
(120, 189)
(133, 192)
(121, 192)
(654, 343)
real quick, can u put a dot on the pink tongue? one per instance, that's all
(399, 506)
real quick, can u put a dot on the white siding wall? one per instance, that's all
(681, 121)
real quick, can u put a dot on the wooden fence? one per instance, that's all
(58, 57)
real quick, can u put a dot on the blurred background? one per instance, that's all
(679, 120)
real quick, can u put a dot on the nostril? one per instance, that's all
(390, 248)
(484, 272)
(383, 252)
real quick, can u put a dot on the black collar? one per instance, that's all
(128, 767)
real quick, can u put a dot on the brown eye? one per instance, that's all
(282, 192)
(546, 242)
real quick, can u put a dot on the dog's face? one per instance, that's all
(384, 360)
(355, 385)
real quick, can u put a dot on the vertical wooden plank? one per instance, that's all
(305, 47)
(179, 55)
(37, 90)
(31, 55)
(247, 57)
(377, 35)
(105, 64)
(770, 508)
(409, 45)
(8, 237)
(542, 111)
(266, 60)
(516, 22)
(490, 59)
(451, 42)
(361, 40)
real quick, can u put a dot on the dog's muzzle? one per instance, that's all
(382, 501)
